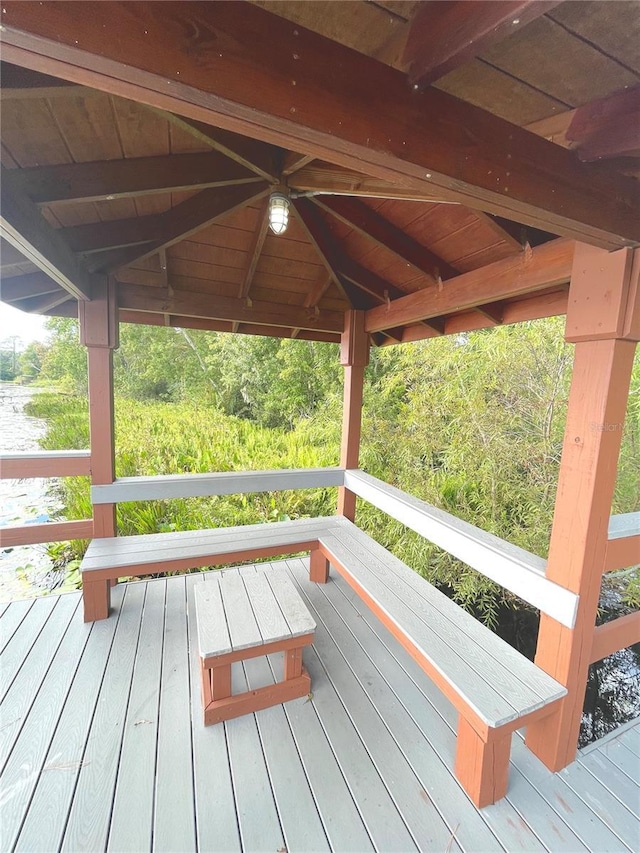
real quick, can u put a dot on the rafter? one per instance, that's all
(318, 290)
(293, 162)
(327, 251)
(366, 221)
(445, 35)
(326, 179)
(543, 267)
(187, 218)
(259, 158)
(255, 250)
(347, 270)
(22, 225)
(45, 302)
(19, 287)
(17, 82)
(195, 304)
(113, 179)
(417, 140)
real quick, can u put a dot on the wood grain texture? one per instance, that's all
(45, 463)
(542, 268)
(417, 143)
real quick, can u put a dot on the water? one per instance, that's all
(23, 570)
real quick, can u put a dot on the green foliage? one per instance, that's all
(473, 424)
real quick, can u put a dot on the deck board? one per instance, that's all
(132, 829)
(110, 751)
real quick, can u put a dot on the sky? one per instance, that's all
(26, 327)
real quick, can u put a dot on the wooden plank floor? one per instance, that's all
(102, 745)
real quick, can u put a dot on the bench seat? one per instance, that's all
(494, 688)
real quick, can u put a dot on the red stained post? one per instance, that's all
(602, 320)
(354, 355)
(318, 567)
(99, 333)
(482, 766)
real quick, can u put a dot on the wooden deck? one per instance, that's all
(102, 744)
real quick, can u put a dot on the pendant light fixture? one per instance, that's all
(278, 212)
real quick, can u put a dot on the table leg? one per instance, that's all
(292, 664)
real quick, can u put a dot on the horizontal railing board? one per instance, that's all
(36, 534)
(45, 463)
(164, 487)
(626, 524)
(512, 567)
(615, 635)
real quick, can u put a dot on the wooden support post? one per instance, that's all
(99, 333)
(602, 320)
(318, 567)
(482, 766)
(354, 355)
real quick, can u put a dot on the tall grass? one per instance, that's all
(168, 438)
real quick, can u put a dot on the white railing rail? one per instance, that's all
(512, 567)
(164, 487)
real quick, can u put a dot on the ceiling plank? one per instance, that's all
(45, 302)
(384, 233)
(255, 250)
(22, 225)
(185, 219)
(417, 139)
(195, 304)
(18, 287)
(318, 290)
(114, 179)
(259, 158)
(543, 267)
(444, 35)
(17, 82)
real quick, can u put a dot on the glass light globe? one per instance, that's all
(278, 213)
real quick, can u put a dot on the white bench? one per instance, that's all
(495, 689)
(246, 613)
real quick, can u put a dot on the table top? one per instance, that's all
(243, 608)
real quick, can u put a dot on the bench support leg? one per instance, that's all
(482, 766)
(318, 567)
(96, 598)
(292, 664)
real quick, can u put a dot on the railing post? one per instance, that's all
(99, 333)
(603, 320)
(354, 355)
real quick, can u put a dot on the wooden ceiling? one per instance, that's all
(111, 167)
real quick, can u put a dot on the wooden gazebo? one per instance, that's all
(450, 166)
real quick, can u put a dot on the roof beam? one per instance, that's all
(602, 129)
(185, 219)
(17, 82)
(543, 267)
(113, 179)
(531, 308)
(22, 225)
(231, 79)
(195, 304)
(444, 35)
(379, 230)
(255, 250)
(254, 155)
